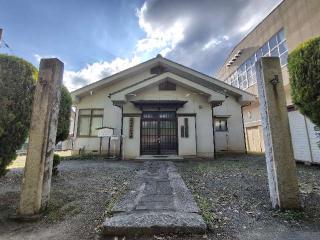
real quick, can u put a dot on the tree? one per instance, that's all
(304, 71)
(63, 124)
(64, 115)
(17, 85)
(17, 80)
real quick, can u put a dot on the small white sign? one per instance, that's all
(105, 132)
(114, 137)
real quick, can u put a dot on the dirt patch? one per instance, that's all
(233, 195)
(78, 200)
(231, 191)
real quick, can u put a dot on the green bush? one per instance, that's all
(56, 162)
(17, 84)
(64, 115)
(17, 79)
(304, 71)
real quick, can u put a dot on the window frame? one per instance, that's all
(167, 86)
(220, 119)
(244, 82)
(91, 115)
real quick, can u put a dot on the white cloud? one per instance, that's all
(96, 71)
(159, 38)
(197, 35)
(211, 43)
(38, 57)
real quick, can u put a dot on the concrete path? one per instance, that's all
(158, 201)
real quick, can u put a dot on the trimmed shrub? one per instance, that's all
(64, 115)
(17, 80)
(17, 85)
(304, 71)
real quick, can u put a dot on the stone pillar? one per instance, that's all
(35, 190)
(281, 166)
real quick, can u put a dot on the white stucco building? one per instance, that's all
(160, 107)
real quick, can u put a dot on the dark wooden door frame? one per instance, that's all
(158, 120)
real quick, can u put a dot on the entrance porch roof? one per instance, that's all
(159, 104)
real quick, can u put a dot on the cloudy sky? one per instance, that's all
(97, 38)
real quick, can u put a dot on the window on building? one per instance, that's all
(88, 122)
(273, 42)
(245, 75)
(220, 124)
(186, 127)
(258, 54)
(234, 80)
(265, 49)
(167, 86)
(280, 36)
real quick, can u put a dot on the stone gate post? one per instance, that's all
(36, 181)
(281, 166)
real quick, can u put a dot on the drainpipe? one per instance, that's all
(121, 139)
(121, 130)
(213, 133)
(244, 134)
(308, 137)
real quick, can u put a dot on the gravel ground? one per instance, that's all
(233, 195)
(79, 198)
(231, 191)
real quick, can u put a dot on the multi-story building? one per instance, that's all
(288, 25)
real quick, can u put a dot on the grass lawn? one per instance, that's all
(20, 161)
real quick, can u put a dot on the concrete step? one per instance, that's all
(159, 157)
(151, 223)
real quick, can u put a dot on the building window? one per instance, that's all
(167, 86)
(185, 129)
(88, 122)
(245, 75)
(220, 124)
(131, 122)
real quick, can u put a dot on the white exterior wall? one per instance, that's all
(187, 146)
(234, 137)
(304, 138)
(201, 144)
(197, 104)
(131, 146)
(111, 118)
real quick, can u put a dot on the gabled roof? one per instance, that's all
(121, 94)
(178, 69)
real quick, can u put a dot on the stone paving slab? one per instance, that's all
(152, 222)
(158, 201)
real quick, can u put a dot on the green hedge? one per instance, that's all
(304, 71)
(64, 115)
(56, 162)
(17, 80)
(17, 85)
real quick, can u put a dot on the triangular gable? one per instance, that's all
(121, 95)
(177, 69)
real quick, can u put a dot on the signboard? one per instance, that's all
(114, 137)
(105, 132)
